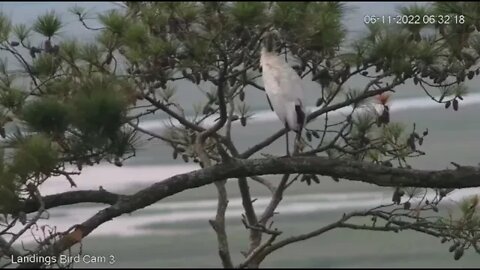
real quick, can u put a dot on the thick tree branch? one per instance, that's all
(348, 169)
(72, 197)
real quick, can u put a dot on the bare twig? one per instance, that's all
(329, 145)
(302, 237)
(253, 255)
(150, 133)
(259, 227)
(68, 176)
(254, 149)
(81, 18)
(276, 199)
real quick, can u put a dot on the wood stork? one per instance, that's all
(283, 87)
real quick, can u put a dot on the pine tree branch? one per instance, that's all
(71, 197)
(347, 169)
(374, 174)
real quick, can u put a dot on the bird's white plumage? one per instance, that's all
(284, 88)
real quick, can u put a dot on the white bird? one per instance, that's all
(283, 87)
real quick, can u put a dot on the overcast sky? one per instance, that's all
(26, 12)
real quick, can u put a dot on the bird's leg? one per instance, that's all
(286, 137)
(298, 138)
(288, 150)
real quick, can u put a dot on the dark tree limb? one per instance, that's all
(353, 170)
(347, 169)
(71, 197)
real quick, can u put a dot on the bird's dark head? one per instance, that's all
(271, 40)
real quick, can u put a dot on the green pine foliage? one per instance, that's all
(47, 115)
(9, 187)
(48, 24)
(98, 113)
(12, 98)
(5, 27)
(35, 156)
(45, 65)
